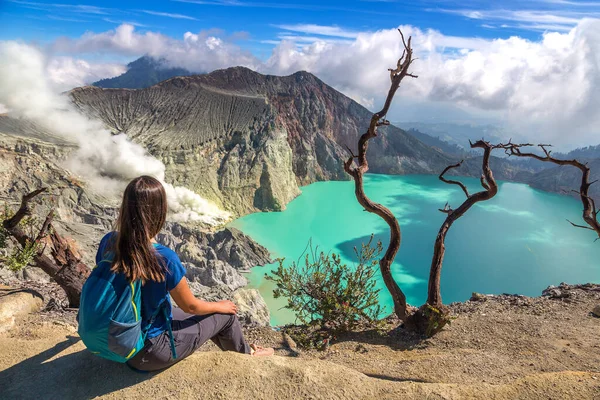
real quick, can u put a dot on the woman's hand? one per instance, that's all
(185, 299)
(225, 307)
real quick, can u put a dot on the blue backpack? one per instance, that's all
(110, 321)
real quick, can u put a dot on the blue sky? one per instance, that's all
(529, 65)
(258, 26)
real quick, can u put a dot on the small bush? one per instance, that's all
(327, 294)
(16, 257)
(22, 257)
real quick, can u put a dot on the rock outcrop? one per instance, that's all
(215, 262)
(16, 303)
(216, 259)
(252, 309)
(493, 351)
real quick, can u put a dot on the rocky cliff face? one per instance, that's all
(246, 140)
(214, 262)
(31, 159)
(214, 259)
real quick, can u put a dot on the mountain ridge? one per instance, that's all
(142, 72)
(256, 138)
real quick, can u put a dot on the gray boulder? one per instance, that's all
(215, 273)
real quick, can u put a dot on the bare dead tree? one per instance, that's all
(65, 266)
(361, 166)
(434, 297)
(590, 213)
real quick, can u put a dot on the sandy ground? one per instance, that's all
(504, 348)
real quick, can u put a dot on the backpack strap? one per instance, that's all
(162, 306)
(171, 338)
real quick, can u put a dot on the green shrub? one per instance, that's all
(327, 294)
(22, 257)
(17, 257)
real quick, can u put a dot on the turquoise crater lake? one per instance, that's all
(518, 242)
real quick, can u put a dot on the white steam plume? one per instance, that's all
(106, 161)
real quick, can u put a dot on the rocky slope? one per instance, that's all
(31, 159)
(214, 263)
(246, 140)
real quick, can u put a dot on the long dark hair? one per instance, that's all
(142, 216)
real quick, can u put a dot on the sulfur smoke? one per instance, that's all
(106, 161)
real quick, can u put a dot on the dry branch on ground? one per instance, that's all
(65, 265)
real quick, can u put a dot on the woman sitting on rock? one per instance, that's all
(133, 252)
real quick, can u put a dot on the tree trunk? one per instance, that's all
(434, 296)
(357, 172)
(65, 266)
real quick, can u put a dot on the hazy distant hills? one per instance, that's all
(583, 153)
(566, 179)
(458, 134)
(436, 142)
(142, 73)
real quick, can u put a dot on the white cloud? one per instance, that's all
(573, 3)
(67, 72)
(561, 20)
(76, 8)
(522, 16)
(303, 40)
(199, 52)
(334, 31)
(547, 89)
(121, 22)
(169, 15)
(104, 160)
(359, 68)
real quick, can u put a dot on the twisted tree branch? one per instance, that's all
(23, 210)
(358, 170)
(590, 212)
(462, 186)
(434, 297)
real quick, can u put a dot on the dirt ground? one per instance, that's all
(501, 347)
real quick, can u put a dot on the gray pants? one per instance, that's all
(190, 332)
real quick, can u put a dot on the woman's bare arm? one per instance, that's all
(186, 300)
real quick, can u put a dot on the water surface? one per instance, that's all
(518, 242)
